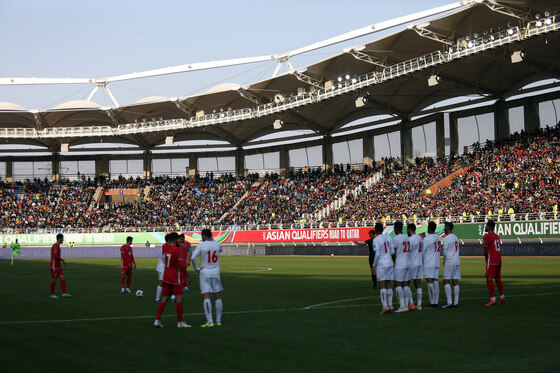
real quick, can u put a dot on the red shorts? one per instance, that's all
(56, 272)
(126, 271)
(171, 289)
(494, 271)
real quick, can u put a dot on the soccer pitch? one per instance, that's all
(281, 314)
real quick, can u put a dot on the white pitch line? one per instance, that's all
(247, 312)
(338, 301)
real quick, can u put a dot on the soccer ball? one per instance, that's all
(139, 293)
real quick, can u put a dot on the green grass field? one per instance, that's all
(281, 314)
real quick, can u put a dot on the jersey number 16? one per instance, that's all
(212, 256)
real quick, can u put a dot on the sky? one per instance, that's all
(86, 39)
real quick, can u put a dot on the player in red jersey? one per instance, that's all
(56, 270)
(493, 258)
(175, 263)
(187, 251)
(127, 263)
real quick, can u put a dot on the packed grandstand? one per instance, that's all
(517, 178)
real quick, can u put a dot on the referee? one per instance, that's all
(372, 257)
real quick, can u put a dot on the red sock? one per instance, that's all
(128, 279)
(500, 286)
(490, 284)
(63, 286)
(53, 283)
(160, 310)
(179, 308)
(122, 282)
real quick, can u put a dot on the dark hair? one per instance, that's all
(167, 237)
(449, 225)
(173, 236)
(491, 223)
(182, 235)
(432, 226)
(129, 238)
(206, 233)
(411, 227)
(371, 231)
(398, 225)
(59, 236)
(378, 228)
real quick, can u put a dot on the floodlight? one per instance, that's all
(339, 78)
(548, 21)
(279, 99)
(511, 31)
(470, 44)
(169, 140)
(354, 80)
(451, 50)
(539, 23)
(347, 76)
(360, 101)
(517, 56)
(278, 124)
(434, 80)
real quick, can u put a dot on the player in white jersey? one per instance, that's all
(402, 267)
(416, 264)
(451, 265)
(160, 268)
(431, 251)
(383, 267)
(209, 252)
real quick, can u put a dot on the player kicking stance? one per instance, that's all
(56, 270)
(159, 268)
(431, 249)
(402, 267)
(451, 265)
(127, 262)
(174, 263)
(209, 252)
(383, 267)
(15, 250)
(416, 265)
(493, 257)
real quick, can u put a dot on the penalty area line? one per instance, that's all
(329, 305)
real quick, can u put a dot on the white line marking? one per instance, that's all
(255, 269)
(316, 307)
(338, 301)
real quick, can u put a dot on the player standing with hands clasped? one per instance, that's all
(431, 251)
(451, 265)
(127, 262)
(402, 267)
(493, 257)
(56, 269)
(174, 264)
(383, 267)
(209, 251)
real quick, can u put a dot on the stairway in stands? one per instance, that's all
(374, 179)
(255, 185)
(96, 197)
(147, 190)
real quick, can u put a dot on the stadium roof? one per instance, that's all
(468, 52)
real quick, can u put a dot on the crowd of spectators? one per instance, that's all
(518, 175)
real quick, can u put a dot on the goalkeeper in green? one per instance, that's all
(15, 250)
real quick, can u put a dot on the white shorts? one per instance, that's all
(210, 285)
(384, 273)
(416, 272)
(160, 275)
(402, 274)
(431, 272)
(452, 272)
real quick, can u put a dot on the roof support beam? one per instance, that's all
(115, 118)
(386, 106)
(429, 34)
(187, 109)
(507, 10)
(249, 96)
(40, 120)
(227, 136)
(307, 79)
(359, 55)
(309, 123)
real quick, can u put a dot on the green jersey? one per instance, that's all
(15, 246)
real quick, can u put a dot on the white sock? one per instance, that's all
(219, 308)
(408, 296)
(436, 292)
(208, 310)
(158, 293)
(400, 296)
(383, 294)
(448, 293)
(501, 296)
(456, 292)
(419, 297)
(493, 298)
(431, 292)
(389, 298)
